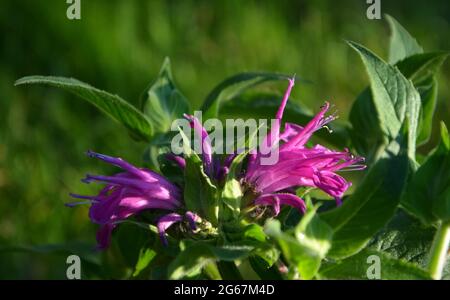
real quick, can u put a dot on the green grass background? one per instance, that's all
(119, 46)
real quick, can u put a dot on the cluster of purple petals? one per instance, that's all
(135, 189)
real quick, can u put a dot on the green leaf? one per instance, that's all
(200, 194)
(228, 270)
(406, 238)
(162, 102)
(264, 270)
(428, 94)
(356, 267)
(422, 69)
(84, 250)
(402, 44)
(190, 261)
(232, 191)
(233, 86)
(254, 232)
(395, 100)
(309, 245)
(91, 259)
(146, 255)
(370, 207)
(131, 240)
(441, 206)
(418, 67)
(196, 255)
(367, 136)
(231, 198)
(427, 193)
(403, 238)
(112, 105)
(254, 235)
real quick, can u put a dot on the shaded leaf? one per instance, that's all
(233, 86)
(408, 239)
(162, 102)
(264, 270)
(427, 195)
(402, 44)
(370, 207)
(200, 194)
(422, 69)
(196, 255)
(356, 267)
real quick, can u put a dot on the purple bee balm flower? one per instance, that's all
(214, 167)
(127, 194)
(297, 164)
(206, 150)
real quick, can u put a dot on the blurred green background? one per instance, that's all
(119, 46)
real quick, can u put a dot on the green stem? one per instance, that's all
(438, 253)
(212, 271)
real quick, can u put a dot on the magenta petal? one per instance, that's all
(104, 236)
(280, 111)
(178, 160)
(290, 130)
(164, 223)
(117, 161)
(315, 124)
(331, 183)
(206, 148)
(192, 219)
(273, 137)
(277, 200)
(251, 164)
(222, 173)
(147, 175)
(229, 159)
(269, 200)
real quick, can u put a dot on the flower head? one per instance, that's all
(298, 165)
(127, 194)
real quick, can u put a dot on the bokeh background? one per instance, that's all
(119, 46)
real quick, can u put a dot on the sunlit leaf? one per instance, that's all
(395, 101)
(112, 105)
